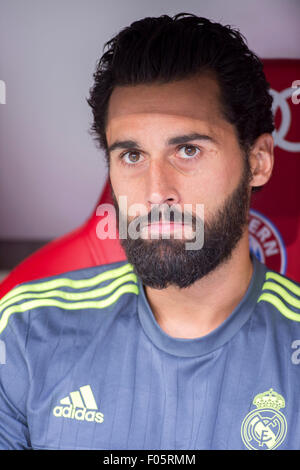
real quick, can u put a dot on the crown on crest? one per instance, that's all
(269, 399)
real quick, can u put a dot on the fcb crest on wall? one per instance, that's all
(266, 242)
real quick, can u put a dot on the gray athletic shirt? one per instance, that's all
(85, 365)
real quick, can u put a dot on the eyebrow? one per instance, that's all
(179, 139)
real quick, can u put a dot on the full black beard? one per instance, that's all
(163, 262)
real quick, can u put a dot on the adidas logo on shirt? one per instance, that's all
(81, 405)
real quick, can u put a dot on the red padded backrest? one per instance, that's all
(274, 215)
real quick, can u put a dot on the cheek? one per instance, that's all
(213, 186)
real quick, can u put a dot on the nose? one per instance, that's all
(161, 184)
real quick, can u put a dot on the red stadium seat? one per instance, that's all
(274, 216)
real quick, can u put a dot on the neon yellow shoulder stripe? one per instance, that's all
(73, 283)
(280, 306)
(73, 296)
(284, 281)
(283, 293)
(280, 288)
(98, 304)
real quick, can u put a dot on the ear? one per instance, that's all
(261, 159)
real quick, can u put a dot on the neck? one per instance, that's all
(197, 310)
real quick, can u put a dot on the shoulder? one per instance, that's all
(95, 287)
(282, 293)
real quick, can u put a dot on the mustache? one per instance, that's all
(162, 215)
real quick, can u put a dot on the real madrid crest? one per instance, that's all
(265, 428)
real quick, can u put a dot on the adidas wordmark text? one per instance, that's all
(81, 406)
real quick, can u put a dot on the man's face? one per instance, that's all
(209, 170)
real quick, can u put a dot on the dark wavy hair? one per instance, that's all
(164, 49)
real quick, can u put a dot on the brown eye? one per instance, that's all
(127, 159)
(134, 160)
(190, 151)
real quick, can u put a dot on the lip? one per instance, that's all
(163, 226)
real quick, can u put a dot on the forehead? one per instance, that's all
(193, 99)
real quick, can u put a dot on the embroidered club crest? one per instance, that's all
(265, 427)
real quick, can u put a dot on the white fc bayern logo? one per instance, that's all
(266, 242)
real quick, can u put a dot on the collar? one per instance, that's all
(187, 347)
